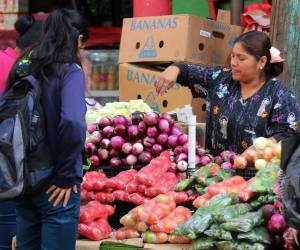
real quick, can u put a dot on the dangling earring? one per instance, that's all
(261, 67)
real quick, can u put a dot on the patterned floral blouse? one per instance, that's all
(232, 122)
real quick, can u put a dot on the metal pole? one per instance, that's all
(236, 8)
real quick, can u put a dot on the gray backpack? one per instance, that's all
(290, 166)
(25, 161)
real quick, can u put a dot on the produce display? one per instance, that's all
(132, 140)
(232, 212)
(134, 186)
(116, 108)
(263, 152)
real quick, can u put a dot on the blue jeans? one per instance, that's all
(40, 226)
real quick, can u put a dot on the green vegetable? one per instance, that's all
(227, 245)
(184, 184)
(255, 204)
(230, 212)
(244, 223)
(223, 174)
(210, 181)
(204, 243)
(267, 199)
(265, 179)
(86, 165)
(218, 233)
(202, 218)
(203, 173)
(196, 225)
(247, 246)
(256, 235)
(200, 189)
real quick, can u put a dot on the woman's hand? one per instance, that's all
(60, 193)
(166, 79)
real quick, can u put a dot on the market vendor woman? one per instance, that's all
(244, 102)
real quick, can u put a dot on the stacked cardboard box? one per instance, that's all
(150, 41)
(10, 11)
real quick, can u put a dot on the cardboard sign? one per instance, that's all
(137, 82)
(177, 38)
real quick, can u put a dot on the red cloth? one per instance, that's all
(257, 17)
(7, 60)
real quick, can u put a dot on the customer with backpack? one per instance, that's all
(29, 33)
(47, 219)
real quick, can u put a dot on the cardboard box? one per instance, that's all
(14, 6)
(177, 38)
(137, 82)
(224, 16)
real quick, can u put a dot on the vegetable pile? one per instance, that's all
(155, 220)
(93, 223)
(132, 185)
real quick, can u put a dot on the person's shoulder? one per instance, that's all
(280, 89)
(71, 68)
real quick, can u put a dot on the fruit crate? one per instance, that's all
(246, 173)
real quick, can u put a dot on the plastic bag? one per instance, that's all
(126, 233)
(247, 246)
(226, 245)
(230, 212)
(202, 218)
(152, 211)
(204, 243)
(174, 239)
(244, 223)
(171, 221)
(218, 233)
(184, 184)
(155, 238)
(265, 179)
(256, 235)
(96, 230)
(95, 210)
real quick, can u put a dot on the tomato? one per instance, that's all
(100, 196)
(120, 234)
(141, 189)
(87, 185)
(201, 200)
(128, 221)
(131, 187)
(98, 185)
(141, 226)
(162, 238)
(214, 169)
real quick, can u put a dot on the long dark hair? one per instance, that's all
(59, 45)
(258, 44)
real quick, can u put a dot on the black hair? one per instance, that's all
(59, 44)
(29, 31)
(258, 44)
